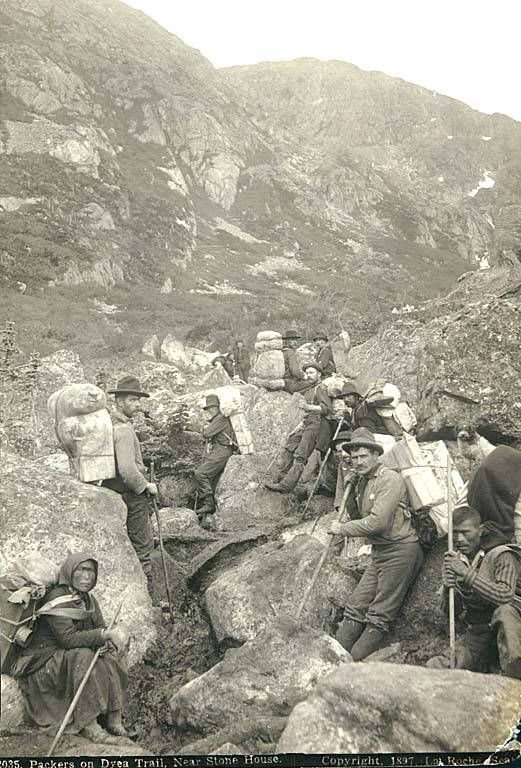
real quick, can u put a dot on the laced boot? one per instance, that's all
(289, 482)
(206, 508)
(348, 633)
(370, 641)
(282, 466)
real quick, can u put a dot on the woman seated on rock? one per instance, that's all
(61, 647)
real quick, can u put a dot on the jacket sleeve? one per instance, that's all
(215, 426)
(126, 459)
(294, 368)
(68, 636)
(324, 401)
(388, 491)
(502, 589)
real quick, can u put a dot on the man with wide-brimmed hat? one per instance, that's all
(221, 443)
(301, 443)
(130, 481)
(379, 510)
(324, 354)
(294, 378)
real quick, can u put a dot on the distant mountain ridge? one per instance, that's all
(202, 200)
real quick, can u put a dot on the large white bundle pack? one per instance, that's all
(269, 365)
(229, 399)
(242, 433)
(334, 384)
(265, 346)
(268, 335)
(84, 430)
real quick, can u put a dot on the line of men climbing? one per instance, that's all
(483, 570)
(377, 509)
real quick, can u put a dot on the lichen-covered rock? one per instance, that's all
(45, 511)
(270, 580)
(12, 712)
(266, 676)
(243, 502)
(173, 352)
(154, 375)
(378, 707)
(152, 348)
(174, 521)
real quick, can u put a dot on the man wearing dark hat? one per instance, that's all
(379, 510)
(221, 442)
(130, 481)
(301, 443)
(324, 354)
(294, 378)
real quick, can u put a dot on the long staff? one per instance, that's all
(161, 545)
(321, 469)
(450, 542)
(81, 686)
(324, 555)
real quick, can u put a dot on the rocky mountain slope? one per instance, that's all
(144, 188)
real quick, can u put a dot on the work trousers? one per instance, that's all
(207, 474)
(139, 527)
(484, 644)
(303, 441)
(379, 594)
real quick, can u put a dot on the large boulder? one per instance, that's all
(173, 351)
(48, 512)
(243, 502)
(154, 376)
(271, 580)
(54, 372)
(266, 676)
(152, 348)
(377, 707)
(12, 713)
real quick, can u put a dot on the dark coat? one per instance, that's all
(324, 358)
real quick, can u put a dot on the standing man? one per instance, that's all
(220, 444)
(241, 360)
(483, 572)
(302, 441)
(324, 354)
(294, 378)
(130, 481)
(379, 510)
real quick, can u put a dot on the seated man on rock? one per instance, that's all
(313, 432)
(483, 572)
(324, 354)
(221, 442)
(294, 378)
(379, 510)
(52, 665)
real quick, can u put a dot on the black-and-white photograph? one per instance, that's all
(260, 383)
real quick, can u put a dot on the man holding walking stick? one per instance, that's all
(379, 511)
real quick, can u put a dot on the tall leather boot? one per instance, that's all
(289, 482)
(369, 642)
(282, 466)
(348, 633)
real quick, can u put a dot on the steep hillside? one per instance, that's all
(144, 191)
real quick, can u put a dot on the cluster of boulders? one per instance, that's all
(280, 670)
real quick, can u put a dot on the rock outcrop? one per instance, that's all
(265, 677)
(377, 707)
(270, 581)
(46, 511)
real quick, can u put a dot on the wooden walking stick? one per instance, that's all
(81, 686)
(321, 469)
(325, 553)
(450, 541)
(161, 546)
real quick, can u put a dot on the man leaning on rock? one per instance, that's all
(379, 510)
(130, 481)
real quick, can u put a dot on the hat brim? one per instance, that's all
(288, 338)
(365, 444)
(320, 338)
(127, 392)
